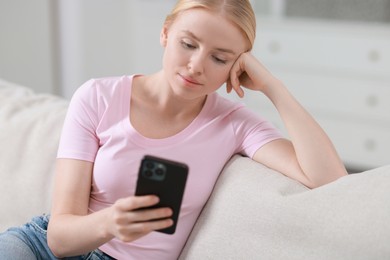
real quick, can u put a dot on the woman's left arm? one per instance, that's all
(310, 156)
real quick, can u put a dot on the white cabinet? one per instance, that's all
(341, 73)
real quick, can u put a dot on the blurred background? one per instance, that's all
(334, 55)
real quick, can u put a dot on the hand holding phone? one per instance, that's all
(165, 179)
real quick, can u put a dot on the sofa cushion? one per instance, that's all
(257, 213)
(30, 126)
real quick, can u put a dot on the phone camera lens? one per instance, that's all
(159, 171)
(149, 165)
(154, 171)
(148, 173)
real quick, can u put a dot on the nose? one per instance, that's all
(196, 64)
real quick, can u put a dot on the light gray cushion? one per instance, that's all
(257, 213)
(30, 126)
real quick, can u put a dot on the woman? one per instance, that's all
(176, 114)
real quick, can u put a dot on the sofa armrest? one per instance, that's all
(257, 213)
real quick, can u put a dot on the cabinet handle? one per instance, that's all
(274, 47)
(374, 56)
(370, 145)
(372, 101)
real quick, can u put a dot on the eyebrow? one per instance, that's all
(191, 34)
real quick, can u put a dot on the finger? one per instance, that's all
(148, 226)
(235, 73)
(137, 202)
(140, 229)
(235, 84)
(149, 214)
(228, 86)
(122, 219)
(239, 91)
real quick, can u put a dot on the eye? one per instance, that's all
(218, 60)
(187, 45)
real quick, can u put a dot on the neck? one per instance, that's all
(164, 99)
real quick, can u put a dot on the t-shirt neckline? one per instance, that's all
(142, 140)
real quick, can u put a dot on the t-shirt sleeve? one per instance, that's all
(252, 131)
(78, 137)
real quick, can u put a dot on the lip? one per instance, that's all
(190, 80)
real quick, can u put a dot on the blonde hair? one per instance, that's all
(239, 12)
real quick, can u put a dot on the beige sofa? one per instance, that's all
(254, 212)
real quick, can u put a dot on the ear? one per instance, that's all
(164, 36)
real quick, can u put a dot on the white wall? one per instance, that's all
(108, 38)
(27, 43)
(56, 45)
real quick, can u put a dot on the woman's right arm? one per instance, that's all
(72, 231)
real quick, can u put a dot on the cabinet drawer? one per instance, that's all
(359, 145)
(338, 96)
(325, 46)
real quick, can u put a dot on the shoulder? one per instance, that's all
(241, 117)
(95, 96)
(101, 87)
(99, 92)
(220, 106)
(235, 110)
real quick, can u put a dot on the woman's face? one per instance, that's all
(200, 49)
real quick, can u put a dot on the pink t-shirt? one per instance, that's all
(97, 128)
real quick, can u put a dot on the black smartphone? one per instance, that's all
(165, 179)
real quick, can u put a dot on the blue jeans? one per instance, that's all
(29, 242)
